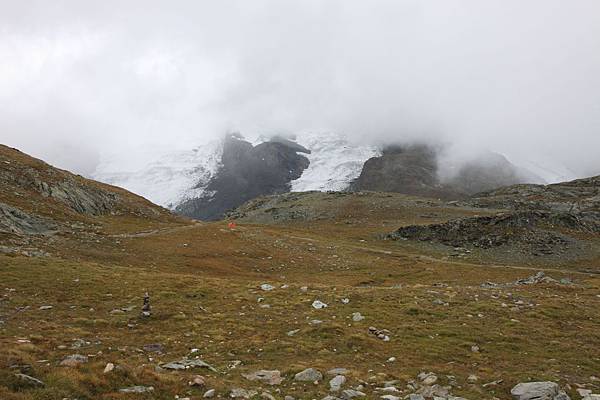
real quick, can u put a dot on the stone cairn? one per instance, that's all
(146, 306)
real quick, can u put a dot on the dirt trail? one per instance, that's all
(158, 231)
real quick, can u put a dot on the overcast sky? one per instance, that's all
(81, 78)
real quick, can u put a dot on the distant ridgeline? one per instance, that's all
(207, 181)
(248, 172)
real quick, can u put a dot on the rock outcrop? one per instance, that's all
(417, 170)
(248, 172)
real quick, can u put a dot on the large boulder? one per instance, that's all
(538, 391)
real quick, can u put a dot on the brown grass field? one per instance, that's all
(204, 282)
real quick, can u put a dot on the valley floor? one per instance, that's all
(460, 316)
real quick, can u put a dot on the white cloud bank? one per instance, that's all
(82, 78)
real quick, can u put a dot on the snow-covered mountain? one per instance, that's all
(168, 180)
(174, 178)
(208, 180)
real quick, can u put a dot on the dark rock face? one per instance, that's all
(15, 221)
(414, 170)
(248, 172)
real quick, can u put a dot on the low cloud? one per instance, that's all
(80, 79)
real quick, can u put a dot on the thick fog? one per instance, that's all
(79, 79)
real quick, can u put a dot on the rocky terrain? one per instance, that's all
(295, 296)
(39, 202)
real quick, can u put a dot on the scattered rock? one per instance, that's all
(351, 393)
(137, 389)
(30, 381)
(109, 368)
(198, 381)
(318, 304)
(209, 393)
(590, 397)
(239, 393)
(357, 317)
(427, 378)
(46, 307)
(472, 379)
(185, 363)
(269, 377)
(266, 287)
(267, 395)
(308, 375)
(73, 360)
(153, 348)
(336, 383)
(337, 371)
(382, 334)
(293, 332)
(536, 391)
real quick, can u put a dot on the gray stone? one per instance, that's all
(73, 360)
(27, 380)
(416, 397)
(137, 389)
(308, 375)
(318, 304)
(535, 391)
(267, 395)
(435, 390)
(109, 368)
(357, 317)
(209, 393)
(563, 396)
(337, 371)
(351, 393)
(335, 384)
(239, 393)
(185, 363)
(428, 378)
(153, 348)
(269, 377)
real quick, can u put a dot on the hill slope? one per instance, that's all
(38, 199)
